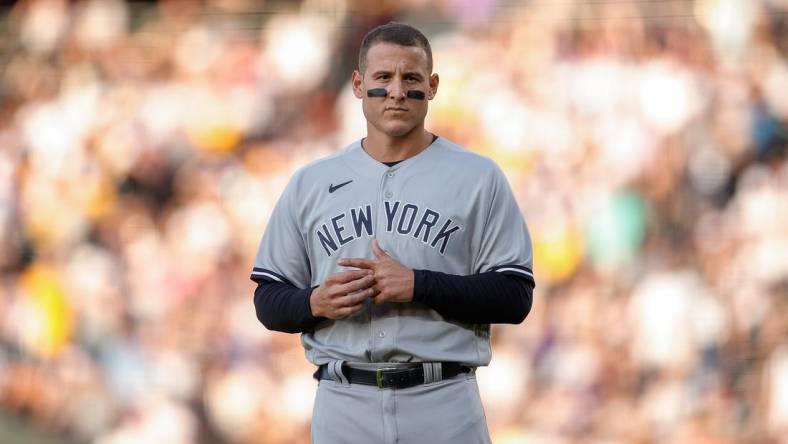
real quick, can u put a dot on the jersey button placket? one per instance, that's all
(387, 181)
(381, 340)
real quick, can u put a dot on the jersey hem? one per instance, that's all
(517, 270)
(262, 274)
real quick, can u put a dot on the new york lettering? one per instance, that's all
(406, 219)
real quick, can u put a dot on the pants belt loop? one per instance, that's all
(432, 372)
(427, 372)
(334, 369)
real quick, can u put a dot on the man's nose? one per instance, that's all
(396, 90)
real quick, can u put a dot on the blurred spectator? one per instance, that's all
(143, 145)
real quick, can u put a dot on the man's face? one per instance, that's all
(397, 69)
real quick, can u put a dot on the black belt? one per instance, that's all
(393, 377)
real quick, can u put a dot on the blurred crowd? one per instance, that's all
(143, 146)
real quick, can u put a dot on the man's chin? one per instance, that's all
(397, 130)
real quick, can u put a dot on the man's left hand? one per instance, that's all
(393, 281)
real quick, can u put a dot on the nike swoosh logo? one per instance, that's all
(332, 187)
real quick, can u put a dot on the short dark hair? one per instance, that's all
(397, 33)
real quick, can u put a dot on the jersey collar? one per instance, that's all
(360, 161)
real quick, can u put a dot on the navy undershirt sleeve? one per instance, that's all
(487, 298)
(284, 307)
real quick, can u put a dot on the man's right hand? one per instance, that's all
(342, 294)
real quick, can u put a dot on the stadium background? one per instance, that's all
(143, 145)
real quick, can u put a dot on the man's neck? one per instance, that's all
(384, 148)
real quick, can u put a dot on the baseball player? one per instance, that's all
(392, 258)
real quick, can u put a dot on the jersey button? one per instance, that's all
(389, 194)
(381, 334)
(391, 174)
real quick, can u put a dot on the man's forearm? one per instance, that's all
(283, 307)
(486, 298)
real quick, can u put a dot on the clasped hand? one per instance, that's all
(343, 294)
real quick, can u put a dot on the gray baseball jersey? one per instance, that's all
(445, 209)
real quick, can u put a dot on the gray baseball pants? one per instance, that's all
(448, 411)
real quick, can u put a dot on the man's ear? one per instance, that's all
(356, 82)
(434, 80)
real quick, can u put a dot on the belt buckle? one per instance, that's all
(379, 375)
